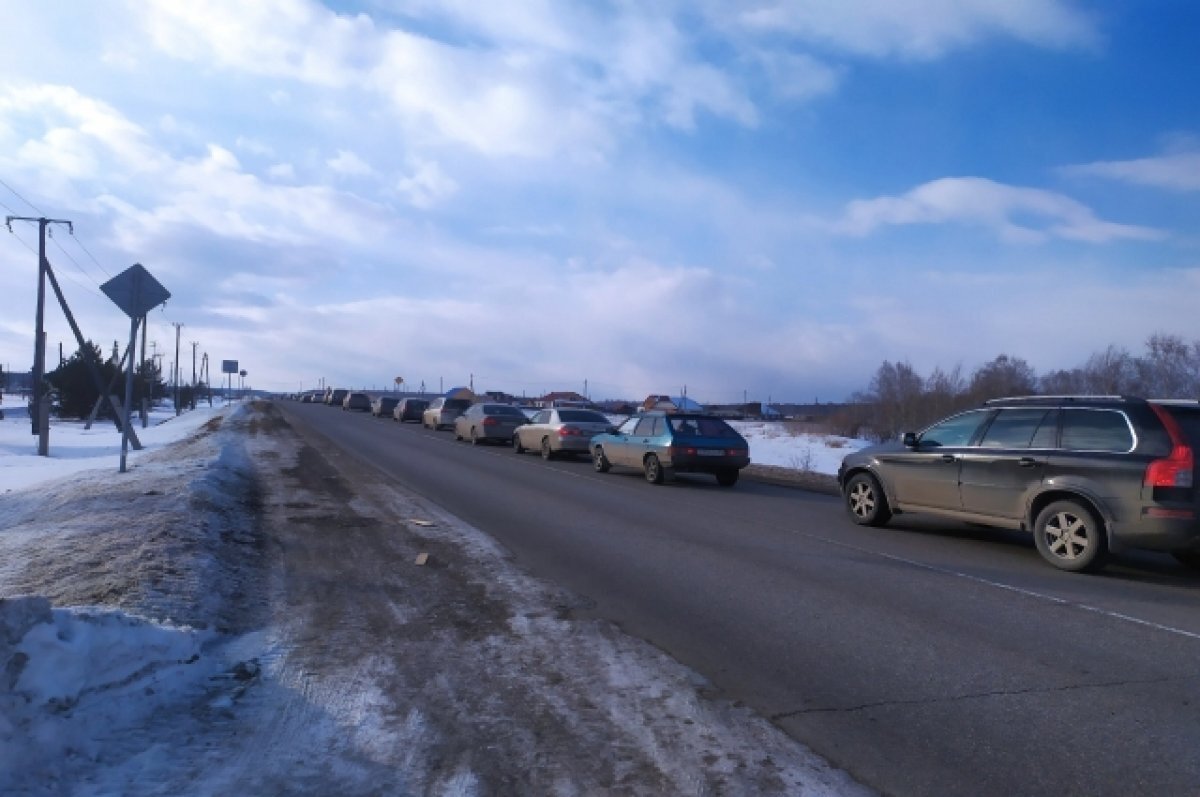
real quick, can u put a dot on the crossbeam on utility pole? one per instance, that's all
(39, 335)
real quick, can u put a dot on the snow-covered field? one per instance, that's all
(124, 633)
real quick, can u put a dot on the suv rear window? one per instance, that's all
(1095, 430)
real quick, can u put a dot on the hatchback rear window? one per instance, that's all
(702, 427)
(1095, 430)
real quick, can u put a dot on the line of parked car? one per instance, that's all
(1086, 475)
(659, 443)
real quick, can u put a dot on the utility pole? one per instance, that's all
(178, 328)
(145, 408)
(39, 335)
(193, 400)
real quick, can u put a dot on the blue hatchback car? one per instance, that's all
(661, 444)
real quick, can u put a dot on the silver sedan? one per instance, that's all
(560, 431)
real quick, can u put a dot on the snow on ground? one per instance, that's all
(128, 630)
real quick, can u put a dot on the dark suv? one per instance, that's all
(1086, 474)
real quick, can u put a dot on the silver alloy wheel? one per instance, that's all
(1071, 536)
(1067, 535)
(862, 500)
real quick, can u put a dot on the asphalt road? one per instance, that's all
(924, 658)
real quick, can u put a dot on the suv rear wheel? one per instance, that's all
(1069, 536)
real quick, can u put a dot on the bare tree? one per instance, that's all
(1003, 376)
(1171, 368)
(1111, 372)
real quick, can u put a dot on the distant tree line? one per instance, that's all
(899, 399)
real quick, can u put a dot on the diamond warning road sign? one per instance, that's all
(135, 291)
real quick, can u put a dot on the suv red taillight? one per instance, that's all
(1176, 469)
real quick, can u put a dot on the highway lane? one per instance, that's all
(924, 658)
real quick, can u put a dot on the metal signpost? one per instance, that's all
(136, 292)
(229, 367)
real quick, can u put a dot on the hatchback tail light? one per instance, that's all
(571, 431)
(491, 421)
(1174, 470)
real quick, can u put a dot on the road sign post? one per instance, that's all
(136, 292)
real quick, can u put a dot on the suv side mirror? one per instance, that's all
(910, 439)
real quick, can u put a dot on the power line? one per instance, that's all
(74, 262)
(76, 239)
(23, 199)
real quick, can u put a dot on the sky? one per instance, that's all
(756, 200)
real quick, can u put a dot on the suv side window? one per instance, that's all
(1096, 430)
(956, 431)
(1046, 435)
(1013, 428)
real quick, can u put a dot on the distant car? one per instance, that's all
(307, 398)
(490, 423)
(560, 430)
(335, 397)
(383, 406)
(661, 444)
(357, 401)
(442, 411)
(410, 409)
(1085, 474)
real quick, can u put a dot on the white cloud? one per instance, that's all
(282, 171)
(1023, 215)
(920, 29)
(427, 186)
(1176, 172)
(347, 164)
(254, 146)
(797, 76)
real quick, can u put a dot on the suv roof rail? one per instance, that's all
(1009, 399)
(1177, 402)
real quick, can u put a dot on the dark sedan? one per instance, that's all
(409, 409)
(492, 423)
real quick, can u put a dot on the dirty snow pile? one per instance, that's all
(74, 679)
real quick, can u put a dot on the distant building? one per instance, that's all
(669, 403)
(562, 398)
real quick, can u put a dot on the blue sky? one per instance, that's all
(761, 198)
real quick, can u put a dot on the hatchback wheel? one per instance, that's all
(599, 461)
(1070, 537)
(654, 469)
(727, 478)
(520, 449)
(866, 502)
(547, 452)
